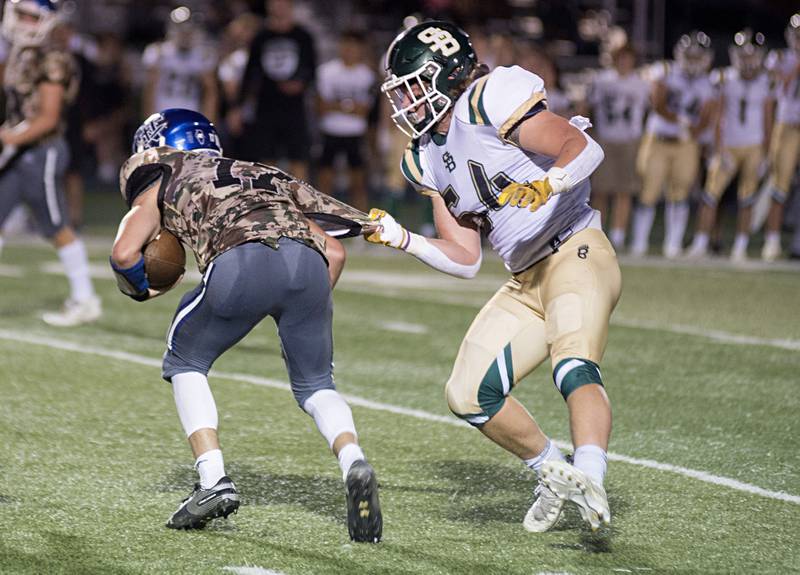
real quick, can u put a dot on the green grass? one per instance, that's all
(93, 461)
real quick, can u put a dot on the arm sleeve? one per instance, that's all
(507, 97)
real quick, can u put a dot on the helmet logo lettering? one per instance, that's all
(440, 41)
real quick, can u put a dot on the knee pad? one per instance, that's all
(174, 364)
(477, 402)
(573, 372)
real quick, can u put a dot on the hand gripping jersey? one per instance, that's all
(619, 104)
(784, 64)
(180, 74)
(27, 67)
(471, 165)
(214, 204)
(743, 107)
(685, 97)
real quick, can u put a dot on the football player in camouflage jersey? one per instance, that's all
(40, 81)
(496, 161)
(260, 253)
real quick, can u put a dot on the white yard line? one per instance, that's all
(404, 327)
(15, 336)
(405, 286)
(250, 570)
(11, 271)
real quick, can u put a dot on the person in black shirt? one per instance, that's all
(271, 111)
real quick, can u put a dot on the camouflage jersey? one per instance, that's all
(213, 204)
(26, 68)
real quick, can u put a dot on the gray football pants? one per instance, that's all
(240, 288)
(36, 178)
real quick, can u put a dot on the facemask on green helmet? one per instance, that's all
(427, 67)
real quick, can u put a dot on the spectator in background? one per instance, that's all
(238, 36)
(617, 99)
(279, 71)
(107, 106)
(345, 89)
(537, 60)
(181, 69)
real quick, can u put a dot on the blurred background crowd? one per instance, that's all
(297, 83)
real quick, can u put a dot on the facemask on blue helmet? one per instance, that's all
(180, 129)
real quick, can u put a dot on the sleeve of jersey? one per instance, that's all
(59, 68)
(415, 170)
(506, 97)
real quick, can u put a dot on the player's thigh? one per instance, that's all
(750, 159)
(685, 167)
(43, 169)
(656, 164)
(230, 300)
(721, 170)
(10, 191)
(580, 287)
(786, 154)
(504, 343)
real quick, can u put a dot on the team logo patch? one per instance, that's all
(150, 134)
(583, 251)
(449, 161)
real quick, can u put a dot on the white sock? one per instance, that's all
(348, 455)
(549, 452)
(772, 238)
(676, 216)
(617, 237)
(740, 243)
(210, 467)
(700, 241)
(76, 265)
(642, 223)
(592, 460)
(196, 407)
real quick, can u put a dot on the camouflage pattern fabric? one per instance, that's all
(26, 68)
(213, 204)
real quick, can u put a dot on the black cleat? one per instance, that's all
(203, 505)
(364, 519)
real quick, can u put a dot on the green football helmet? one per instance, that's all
(426, 70)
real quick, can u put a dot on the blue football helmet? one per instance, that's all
(29, 22)
(180, 129)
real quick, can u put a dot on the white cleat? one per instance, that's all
(75, 313)
(544, 512)
(570, 484)
(672, 252)
(738, 256)
(697, 253)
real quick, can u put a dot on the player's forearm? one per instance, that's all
(579, 158)
(444, 255)
(31, 131)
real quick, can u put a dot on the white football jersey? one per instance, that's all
(686, 96)
(471, 165)
(742, 119)
(788, 93)
(180, 74)
(335, 81)
(618, 105)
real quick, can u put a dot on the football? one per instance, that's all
(164, 261)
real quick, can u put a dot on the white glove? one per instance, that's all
(389, 232)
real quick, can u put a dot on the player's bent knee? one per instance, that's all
(304, 390)
(331, 414)
(477, 402)
(573, 372)
(174, 364)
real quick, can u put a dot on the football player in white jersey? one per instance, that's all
(496, 162)
(181, 69)
(785, 144)
(670, 153)
(746, 106)
(618, 98)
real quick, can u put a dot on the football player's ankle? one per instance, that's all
(592, 460)
(348, 455)
(211, 468)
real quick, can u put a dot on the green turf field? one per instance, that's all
(702, 368)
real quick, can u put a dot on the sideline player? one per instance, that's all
(260, 256)
(618, 97)
(746, 105)
(670, 153)
(40, 81)
(495, 161)
(181, 69)
(785, 145)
